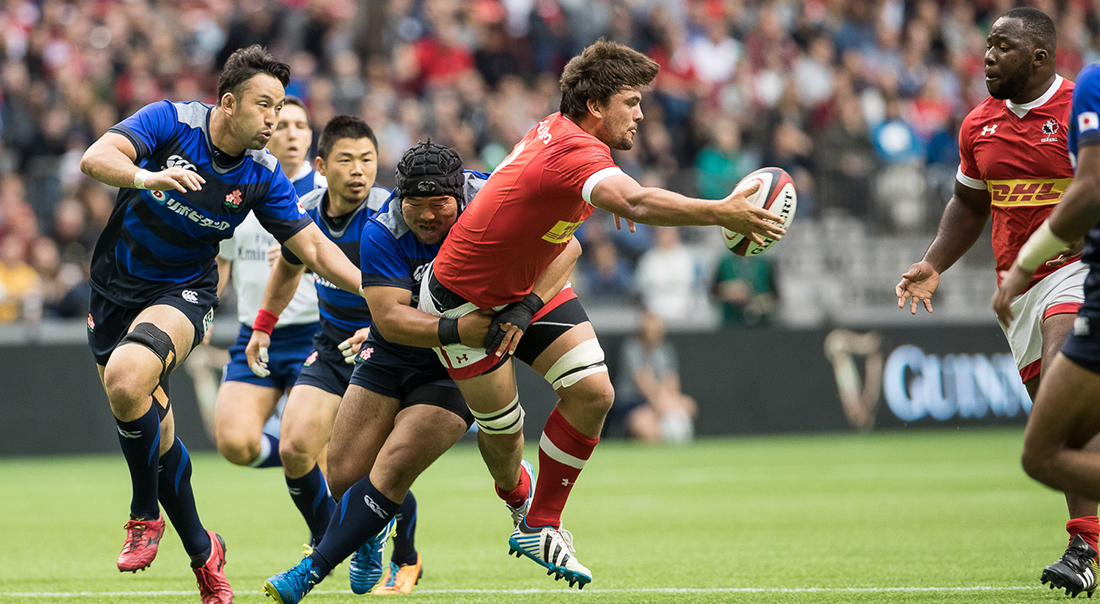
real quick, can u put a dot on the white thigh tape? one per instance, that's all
(582, 361)
(508, 420)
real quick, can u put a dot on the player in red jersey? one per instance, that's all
(525, 215)
(1014, 165)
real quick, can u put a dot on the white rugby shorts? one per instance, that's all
(1061, 292)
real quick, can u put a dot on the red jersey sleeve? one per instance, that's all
(580, 166)
(968, 173)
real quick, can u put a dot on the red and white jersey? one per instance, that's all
(525, 214)
(1018, 153)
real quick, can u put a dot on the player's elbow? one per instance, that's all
(87, 161)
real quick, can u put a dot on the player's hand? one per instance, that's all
(174, 179)
(1068, 252)
(273, 254)
(473, 327)
(509, 324)
(745, 218)
(917, 285)
(350, 347)
(1013, 281)
(633, 228)
(256, 353)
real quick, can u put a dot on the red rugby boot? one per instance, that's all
(142, 538)
(213, 586)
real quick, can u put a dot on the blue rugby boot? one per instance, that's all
(289, 587)
(366, 566)
(553, 549)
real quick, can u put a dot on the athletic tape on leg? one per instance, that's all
(508, 420)
(581, 361)
(153, 338)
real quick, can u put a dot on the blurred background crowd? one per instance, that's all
(859, 100)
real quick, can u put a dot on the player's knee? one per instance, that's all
(238, 450)
(1036, 464)
(596, 395)
(295, 455)
(125, 389)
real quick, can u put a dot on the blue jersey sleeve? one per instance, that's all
(1086, 106)
(280, 213)
(380, 259)
(149, 128)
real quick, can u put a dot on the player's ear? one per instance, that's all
(228, 103)
(319, 165)
(1040, 56)
(594, 107)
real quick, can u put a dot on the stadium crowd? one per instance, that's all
(846, 95)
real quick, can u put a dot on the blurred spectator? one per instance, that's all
(649, 403)
(18, 280)
(745, 289)
(718, 165)
(846, 163)
(603, 273)
(667, 278)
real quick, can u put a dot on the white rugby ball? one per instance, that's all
(776, 194)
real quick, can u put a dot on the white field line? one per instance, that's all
(649, 590)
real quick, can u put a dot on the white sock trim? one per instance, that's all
(558, 455)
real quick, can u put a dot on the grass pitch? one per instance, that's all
(930, 516)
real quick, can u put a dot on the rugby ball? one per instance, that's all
(777, 195)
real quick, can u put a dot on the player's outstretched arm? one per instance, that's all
(326, 259)
(962, 223)
(110, 160)
(623, 196)
(1075, 214)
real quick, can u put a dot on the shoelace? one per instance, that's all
(136, 531)
(209, 582)
(567, 537)
(392, 581)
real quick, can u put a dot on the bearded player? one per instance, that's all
(1015, 167)
(525, 216)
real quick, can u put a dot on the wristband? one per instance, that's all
(139, 178)
(265, 321)
(448, 331)
(1042, 246)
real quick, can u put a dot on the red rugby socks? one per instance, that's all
(563, 452)
(1086, 526)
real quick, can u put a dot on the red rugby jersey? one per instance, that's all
(1018, 153)
(525, 214)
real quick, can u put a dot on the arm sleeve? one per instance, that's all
(227, 249)
(582, 166)
(280, 212)
(380, 260)
(149, 128)
(1086, 107)
(968, 173)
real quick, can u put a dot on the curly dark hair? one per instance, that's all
(599, 72)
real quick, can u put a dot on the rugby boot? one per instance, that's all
(1075, 571)
(400, 579)
(553, 549)
(213, 586)
(521, 511)
(142, 539)
(366, 566)
(289, 587)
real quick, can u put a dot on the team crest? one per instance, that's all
(310, 359)
(91, 323)
(1050, 128)
(233, 200)
(365, 354)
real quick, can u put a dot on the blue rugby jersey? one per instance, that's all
(156, 241)
(307, 179)
(342, 313)
(392, 256)
(1084, 129)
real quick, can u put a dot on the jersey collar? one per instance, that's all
(303, 171)
(1021, 110)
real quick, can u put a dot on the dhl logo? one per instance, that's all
(1027, 192)
(562, 231)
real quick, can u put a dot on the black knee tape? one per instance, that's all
(153, 338)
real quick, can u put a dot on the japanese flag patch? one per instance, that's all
(1087, 120)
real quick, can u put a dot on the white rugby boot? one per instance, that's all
(553, 549)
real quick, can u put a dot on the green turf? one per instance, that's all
(838, 518)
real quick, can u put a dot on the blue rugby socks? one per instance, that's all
(354, 521)
(311, 496)
(179, 501)
(269, 453)
(140, 440)
(404, 541)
